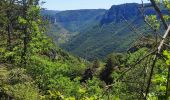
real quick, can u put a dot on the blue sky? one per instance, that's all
(84, 4)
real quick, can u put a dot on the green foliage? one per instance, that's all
(24, 91)
(17, 84)
(131, 58)
(153, 21)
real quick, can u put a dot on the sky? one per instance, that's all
(84, 4)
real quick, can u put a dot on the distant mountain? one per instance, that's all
(49, 12)
(66, 24)
(78, 20)
(112, 34)
(117, 12)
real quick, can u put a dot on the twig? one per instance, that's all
(150, 76)
(159, 13)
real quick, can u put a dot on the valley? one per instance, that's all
(97, 33)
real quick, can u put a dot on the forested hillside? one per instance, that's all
(66, 24)
(34, 67)
(113, 34)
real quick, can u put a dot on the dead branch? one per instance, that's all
(159, 13)
(163, 40)
(155, 60)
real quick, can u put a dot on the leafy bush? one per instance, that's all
(26, 91)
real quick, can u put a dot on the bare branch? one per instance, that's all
(159, 13)
(155, 60)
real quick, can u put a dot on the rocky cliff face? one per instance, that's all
(117, 12)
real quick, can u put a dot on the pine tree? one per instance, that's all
(106, 73)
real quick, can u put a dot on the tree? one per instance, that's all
(23, 30)
(96, 64)
(105, 75)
